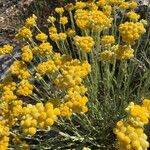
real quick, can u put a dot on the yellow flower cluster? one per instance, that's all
(107, 55)
(52, 29)
(69, 7)
(72, 73)
(128, 5)
(6, 49)
(130, 131)
(61, 60)
(45, 48)
(130, 137)
(4, 135)
(107, 40)
(75, 103)
(115, 2)
(24, 88)
(11, 111)
(124, 5)
(31, 21)
(38, 116)
(133, 16)
(19, 68)
(107, 10)
(59, 10)
(41, 37)
(131, 31)
(84, 43)
(133, 4)
(80, 5)
(139, 115)
(92, 19)
(46, 67)
(63, 20)
(124, 52)
(8, 94)
(24, 33)
(51, 19)
(70, 32)
(11, 108)
(120, 52)
(27, 55)
(58, 36)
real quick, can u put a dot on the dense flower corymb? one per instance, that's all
(84, 43)
(131, 31)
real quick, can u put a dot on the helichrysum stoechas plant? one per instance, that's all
(70, 85)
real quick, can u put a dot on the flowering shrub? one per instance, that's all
(76, 79)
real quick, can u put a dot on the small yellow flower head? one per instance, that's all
(11, 109)
(133, 4)
(54, 36)
(19, 68)
(24, 88)
(131, 31)
(45, 49)
(79, 104)
(107, 40)
(107, 55)
(63, 20)
(6, 49)
(52, 29)
(80, 5)
(133, 16)
(65, 111)
(91, 5)
(46, 67)
(70, 32)
(9, 85)
(58, 36)
(107, 10)
(59, 10)
(31, 131)
(62, 36)
(124, 5)
(115, 2)
(16, 107)
(82, 19)
(27, 55)
(102, 3)
(139, 114)
(41, 37)
(85, 43)
(51, 19)
(8, 96)
(124, 52)
(31, 21)
(69, 7)
(24, 33)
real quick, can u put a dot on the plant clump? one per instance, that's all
(72, 82)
